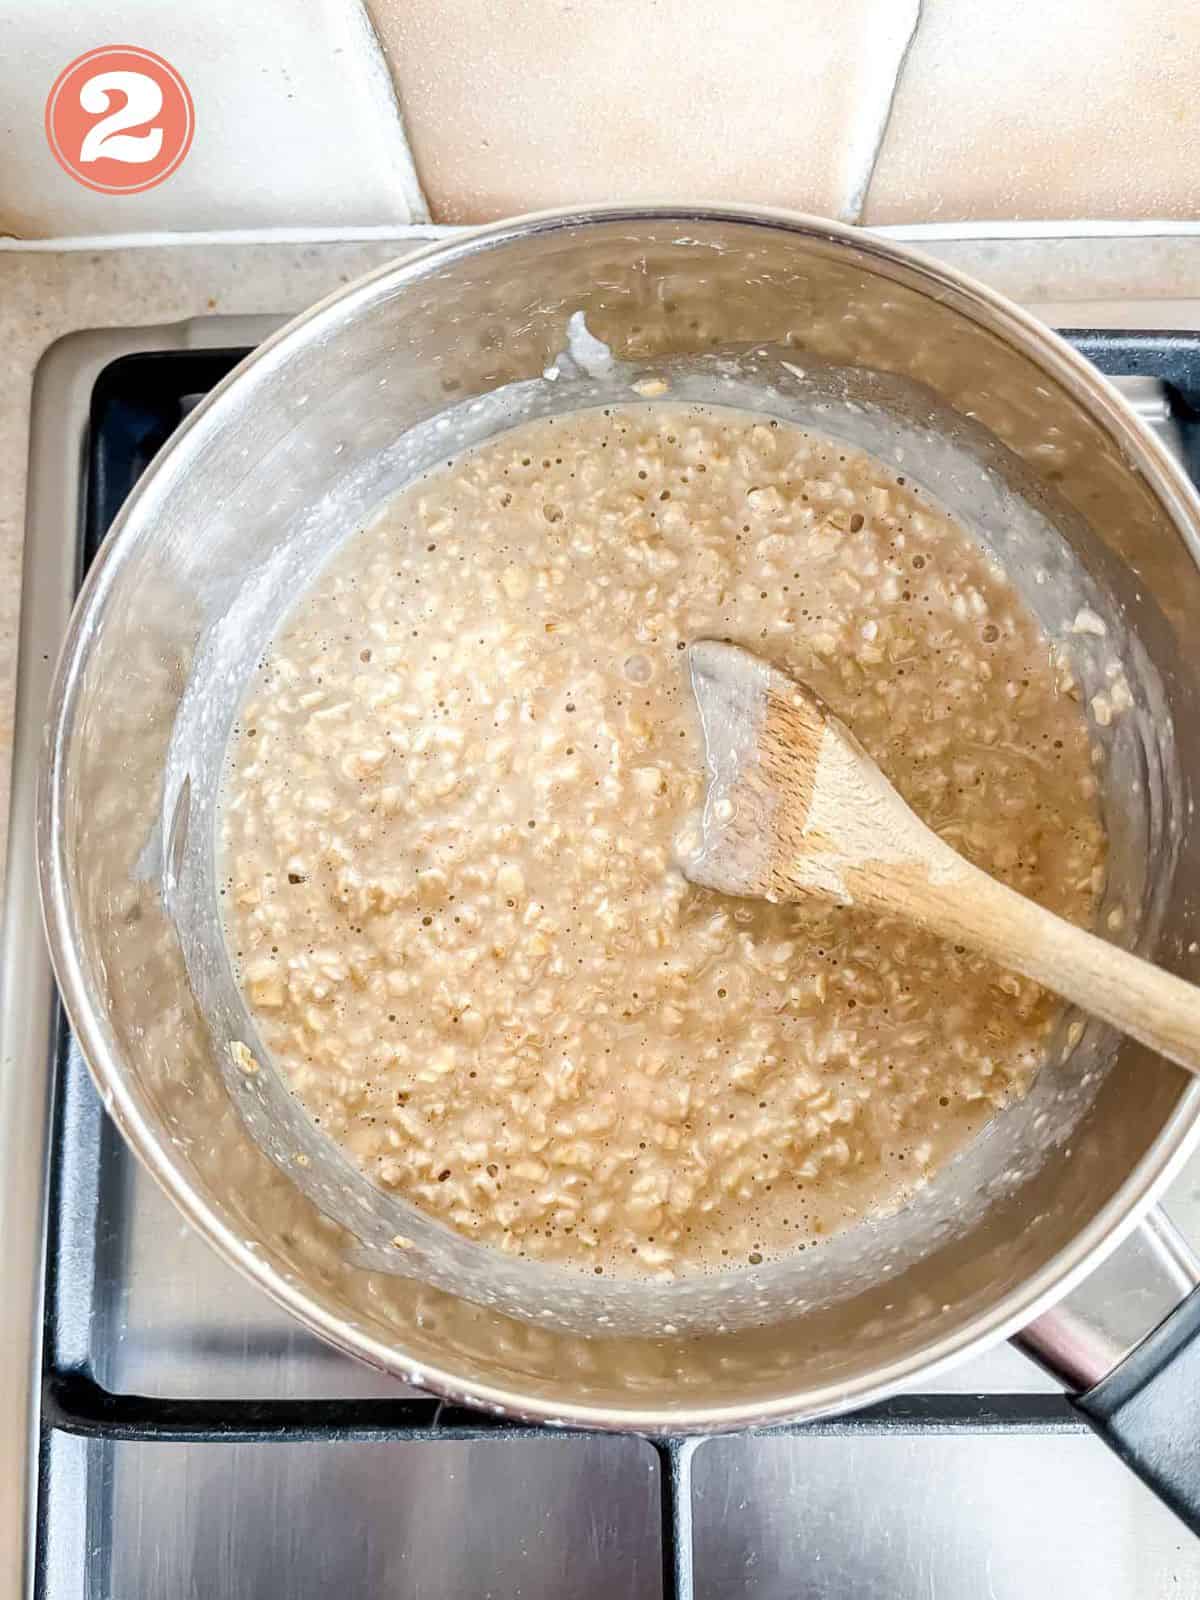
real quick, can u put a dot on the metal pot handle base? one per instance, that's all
(1125, 1344)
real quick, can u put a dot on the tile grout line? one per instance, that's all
(269, 234)
(380, 69)
(1004, 230)
(858, 198)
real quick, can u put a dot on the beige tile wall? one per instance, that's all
(1045, 109)
(516, 104)
(870, 110)
(1001, 109)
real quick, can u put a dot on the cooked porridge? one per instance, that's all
(448, 827)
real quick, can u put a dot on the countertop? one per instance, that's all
(45, 294)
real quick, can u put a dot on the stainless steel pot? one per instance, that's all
(1002, 421)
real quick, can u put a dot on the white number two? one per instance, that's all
(143, 100)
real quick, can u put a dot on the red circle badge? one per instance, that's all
(119, 119)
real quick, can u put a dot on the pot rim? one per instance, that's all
(1181, 1132)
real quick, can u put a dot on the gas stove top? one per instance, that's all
(189, 1438)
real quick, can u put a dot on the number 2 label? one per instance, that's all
(119, 119)
(107, 138)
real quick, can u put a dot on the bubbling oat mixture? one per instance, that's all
(448, 825)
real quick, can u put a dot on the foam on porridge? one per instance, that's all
(448, 824)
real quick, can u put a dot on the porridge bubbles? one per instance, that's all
(448, 834)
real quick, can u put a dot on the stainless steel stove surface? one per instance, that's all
(190, 1439)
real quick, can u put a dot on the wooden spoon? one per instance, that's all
(795, 807)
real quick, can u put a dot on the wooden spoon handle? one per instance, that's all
(970, 908)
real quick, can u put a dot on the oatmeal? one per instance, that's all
(448, 825)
